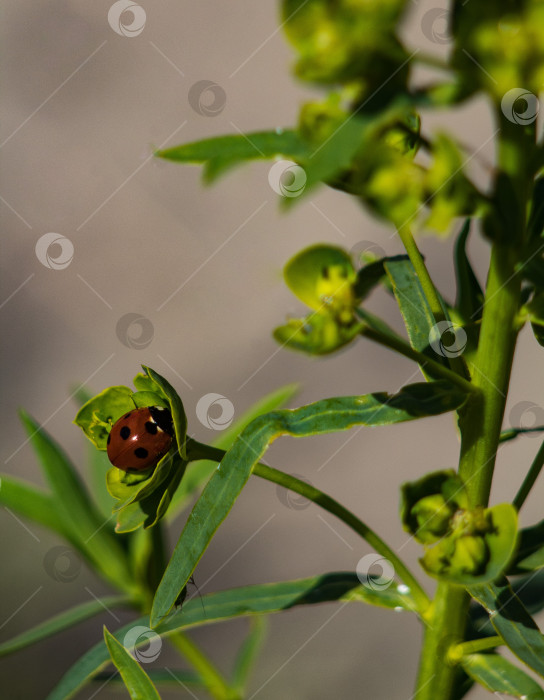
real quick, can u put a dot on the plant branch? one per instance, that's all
(399, 345)
(211, 677)
(531, 477)
(475, 645)
(198, 450)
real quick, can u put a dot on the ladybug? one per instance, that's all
(139, 439)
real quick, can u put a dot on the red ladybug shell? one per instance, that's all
(140, 438)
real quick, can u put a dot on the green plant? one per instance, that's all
(365, 139)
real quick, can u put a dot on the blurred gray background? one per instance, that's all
(84, 107)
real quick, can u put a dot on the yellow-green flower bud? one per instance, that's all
(433, 516)
(470, 555)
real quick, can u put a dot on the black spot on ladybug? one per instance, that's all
(141, 453)
(151, 428)
(125, 432)
(109, 439)
(163, 419)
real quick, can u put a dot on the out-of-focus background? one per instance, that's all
(153, 268)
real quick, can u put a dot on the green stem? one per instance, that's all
(198, 450)
(213, 679)
(399, 345)
(474, 646)
(480, 418)
(529, 481)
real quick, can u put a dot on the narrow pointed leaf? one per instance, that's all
(76, 509)
(58, 623)
(176, 407)
(414, 307)
(512, 621)
(215, 607)
(158, 677)
(198, 473)
(225, 485)
(225, 152)
(470, 297)
(248, 652)
(499, 675)
(136, 680)
(30, 502)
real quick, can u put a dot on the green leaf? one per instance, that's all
(320, 275)
(512, 622)
(225, 152)
(136, 680)
(529, 589)
(248, 653)
(531, 544)
(158, 677)
(317, 334)
(79, 515)
(536, 316)
(97, 416)
(499, 675)
(533, 561)
(225, 485)
(333, 155)
(225, 605)
(470, 297)
(61, 622)
(32, 503)
(176, 408)
(535, 227)
(149, 509)
(198, 473)
(413, 305)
